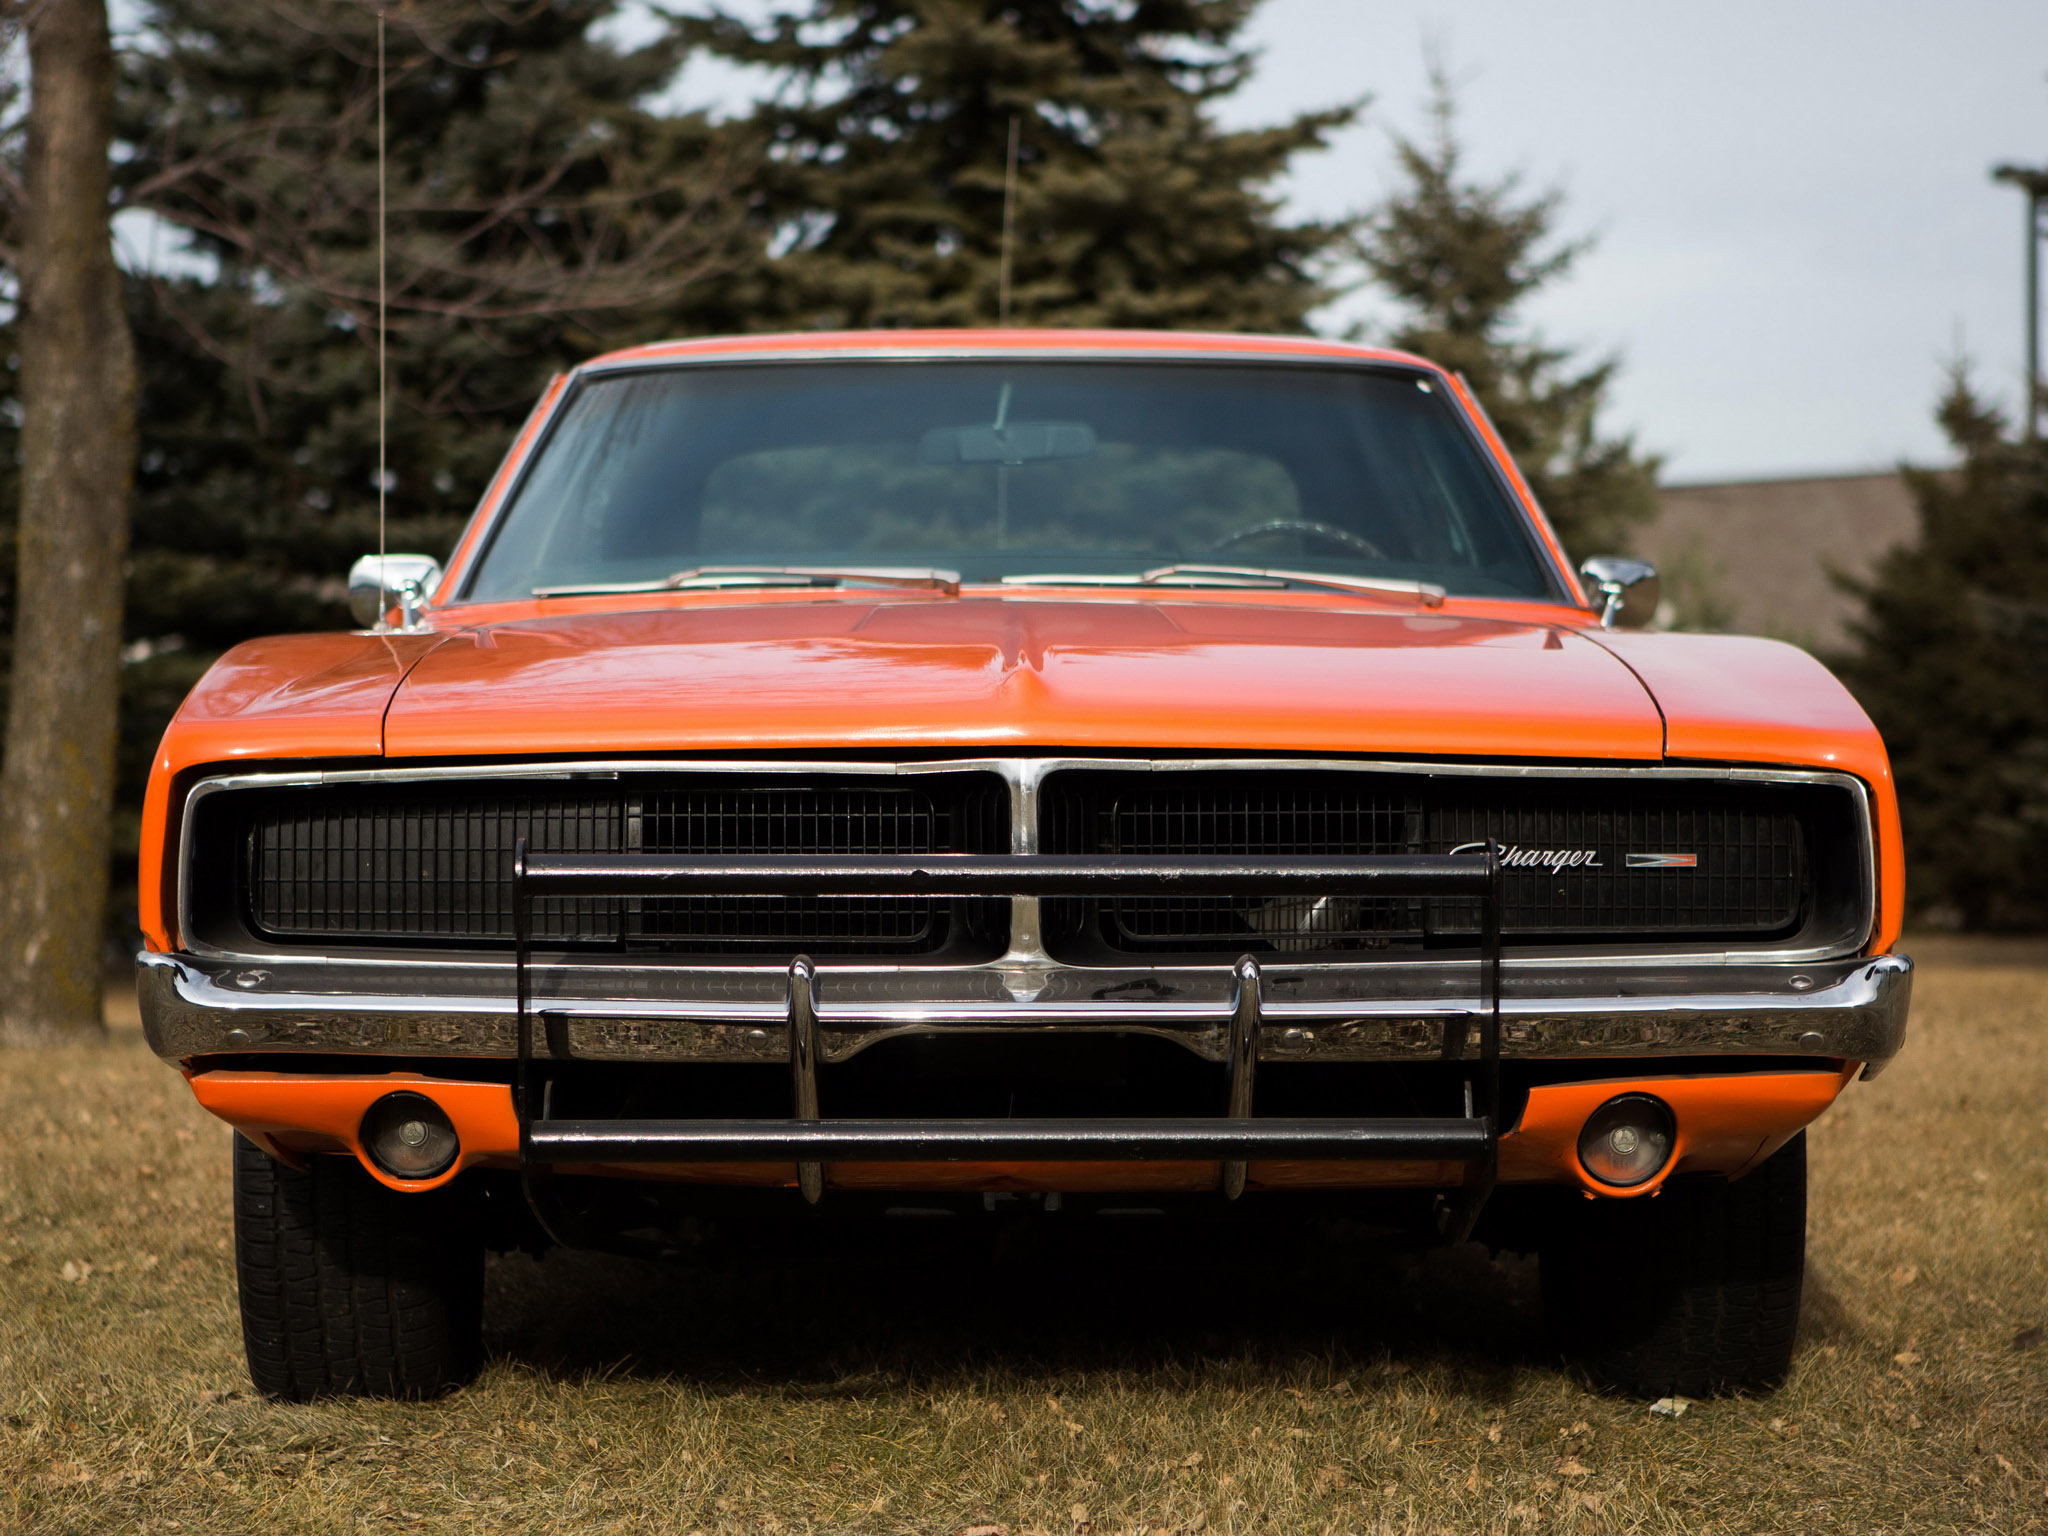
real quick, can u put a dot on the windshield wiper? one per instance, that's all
(1426, 593)
(716, 577)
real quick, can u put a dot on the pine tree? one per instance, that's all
(540, 211)
(1132, 207)
(1462, 256)
(1952, 664)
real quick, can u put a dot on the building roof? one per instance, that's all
(1755, 556)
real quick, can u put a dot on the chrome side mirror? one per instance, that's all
(1628, 589)
(378, 583)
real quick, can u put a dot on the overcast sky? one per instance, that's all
(1792, 197)
(1796, 226)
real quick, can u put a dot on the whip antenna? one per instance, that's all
(383, 394)
(1009, 224)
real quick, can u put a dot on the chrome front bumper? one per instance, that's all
(1393, 1010)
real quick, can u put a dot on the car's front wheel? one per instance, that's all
(1692, 1292)
(350, 1288)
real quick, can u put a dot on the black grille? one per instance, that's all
(1229, 813)
(380, 864)
(1568, 842)
(419, 865)
(1748, 880)
(413, 864)
(715, 821)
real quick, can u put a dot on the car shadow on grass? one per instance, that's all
(1824, 1317)
(819, 1305)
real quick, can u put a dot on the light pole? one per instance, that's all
(2032, 180)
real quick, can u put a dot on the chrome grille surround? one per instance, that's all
(1025, 779)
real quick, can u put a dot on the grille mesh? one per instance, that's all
(379, 865)
(421, 866)
(717, 821)
(413, 864)
(1219, 814)
(1749, 879)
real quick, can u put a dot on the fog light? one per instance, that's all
(408, 1136)
(1626, 1140)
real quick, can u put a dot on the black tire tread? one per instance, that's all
(352, 1289)
(1692, 1293)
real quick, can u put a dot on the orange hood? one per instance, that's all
(986, 673)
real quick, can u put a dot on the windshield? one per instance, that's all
(1009, 470)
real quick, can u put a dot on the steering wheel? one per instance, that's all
(1330, 533)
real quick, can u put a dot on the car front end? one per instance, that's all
(1340, 862)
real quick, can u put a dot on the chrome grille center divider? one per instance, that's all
(1233, 1138)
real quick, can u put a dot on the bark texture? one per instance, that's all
(78, 457)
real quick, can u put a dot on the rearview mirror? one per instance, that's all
(1021, 442)
(379, 583)
(1626, 589)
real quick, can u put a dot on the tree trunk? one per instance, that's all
(78, 459)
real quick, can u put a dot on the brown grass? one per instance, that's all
(1038, 1378)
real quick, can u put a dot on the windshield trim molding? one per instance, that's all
(475, 543)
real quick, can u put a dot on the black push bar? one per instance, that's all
(1000, 874)
(916, 1141)
(808, 1140)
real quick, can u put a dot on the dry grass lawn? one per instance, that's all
(1111, 1378)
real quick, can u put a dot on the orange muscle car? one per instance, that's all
(1090, 771)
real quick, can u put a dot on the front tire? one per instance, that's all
(1691, 1292)
(352, 1289)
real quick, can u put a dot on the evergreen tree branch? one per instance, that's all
(1461, 257)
